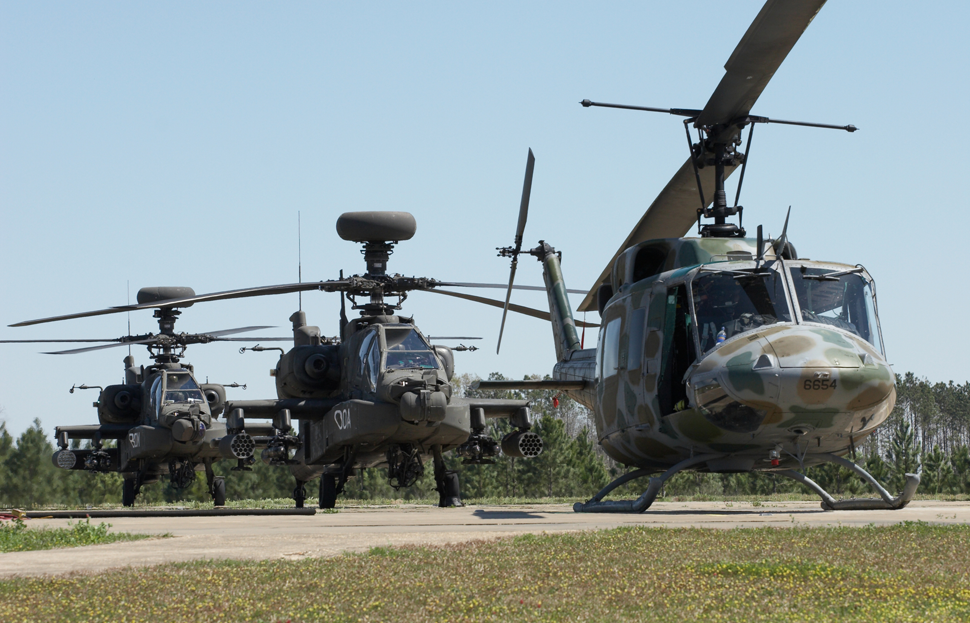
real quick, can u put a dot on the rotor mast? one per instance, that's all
(166, 332)
(376, 256)
(717, 146)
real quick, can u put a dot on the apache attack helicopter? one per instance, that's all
(164, 421)
(723, 353)
(379, 393)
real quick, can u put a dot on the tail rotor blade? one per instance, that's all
(530, 164)
(505, 310)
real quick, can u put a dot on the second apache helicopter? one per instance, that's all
(164, 421)
(723, 353)
(377, 395)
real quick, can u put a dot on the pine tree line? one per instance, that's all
(928, 431)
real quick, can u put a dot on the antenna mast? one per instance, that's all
(128, 301)
(299, 255)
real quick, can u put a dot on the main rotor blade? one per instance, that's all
(182, 302)
(253, 339)
(508, 295)
(239, 330)
(671, 215)
(769, 39)
(530, 165)
(75, 351)
(519, 309)
(113, 339)
(451, 337)
(456, 284)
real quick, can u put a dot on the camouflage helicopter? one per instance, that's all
(379, 393)
(165, 422)
(723, 353)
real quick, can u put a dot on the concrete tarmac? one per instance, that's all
(357, 529)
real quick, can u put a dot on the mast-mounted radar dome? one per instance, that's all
(376, 226)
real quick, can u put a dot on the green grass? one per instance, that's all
(16, 536)
(908, 572)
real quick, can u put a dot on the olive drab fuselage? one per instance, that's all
(680, 369)
(360, 400)
(159, 416)
(382, 397)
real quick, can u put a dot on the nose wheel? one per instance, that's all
(299, 493)
(446, 482)
(328, 491)
(219, 492)
(217, 485)
(129, 491)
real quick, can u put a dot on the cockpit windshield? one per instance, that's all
(181, 387)
(407, 350)
(842, 299)
(736, 301)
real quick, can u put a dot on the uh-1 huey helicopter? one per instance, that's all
(723, 353)
(379, 393)
(165, 422)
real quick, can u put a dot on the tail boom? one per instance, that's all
(563, 326)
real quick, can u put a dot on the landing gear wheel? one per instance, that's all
(449, 491)
(328, 491)
(128, 492)
(299, 494)
(219, 492)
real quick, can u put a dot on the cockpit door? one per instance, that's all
(678, 351)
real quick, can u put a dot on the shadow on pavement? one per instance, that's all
(484, 514)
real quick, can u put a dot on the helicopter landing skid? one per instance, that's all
(887, 501)
(642, 503)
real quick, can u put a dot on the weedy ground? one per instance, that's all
(15, 537)
(909, 572)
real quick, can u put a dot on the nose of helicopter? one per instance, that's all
(794, 375)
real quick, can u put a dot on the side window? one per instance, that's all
(363, 372)
(611, 348)
(601, 345)
(649, 262)
(374, 363)
(157, 393)
(873, 321)
(635, 329)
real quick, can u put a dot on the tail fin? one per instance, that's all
(563, 326)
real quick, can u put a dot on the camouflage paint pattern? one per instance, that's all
(801, 387)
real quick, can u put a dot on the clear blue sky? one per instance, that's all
(174, 143)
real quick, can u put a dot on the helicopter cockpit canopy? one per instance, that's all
(742, 300)
(407, 350)
(737, 300)
(179, 386)
(837, 298)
